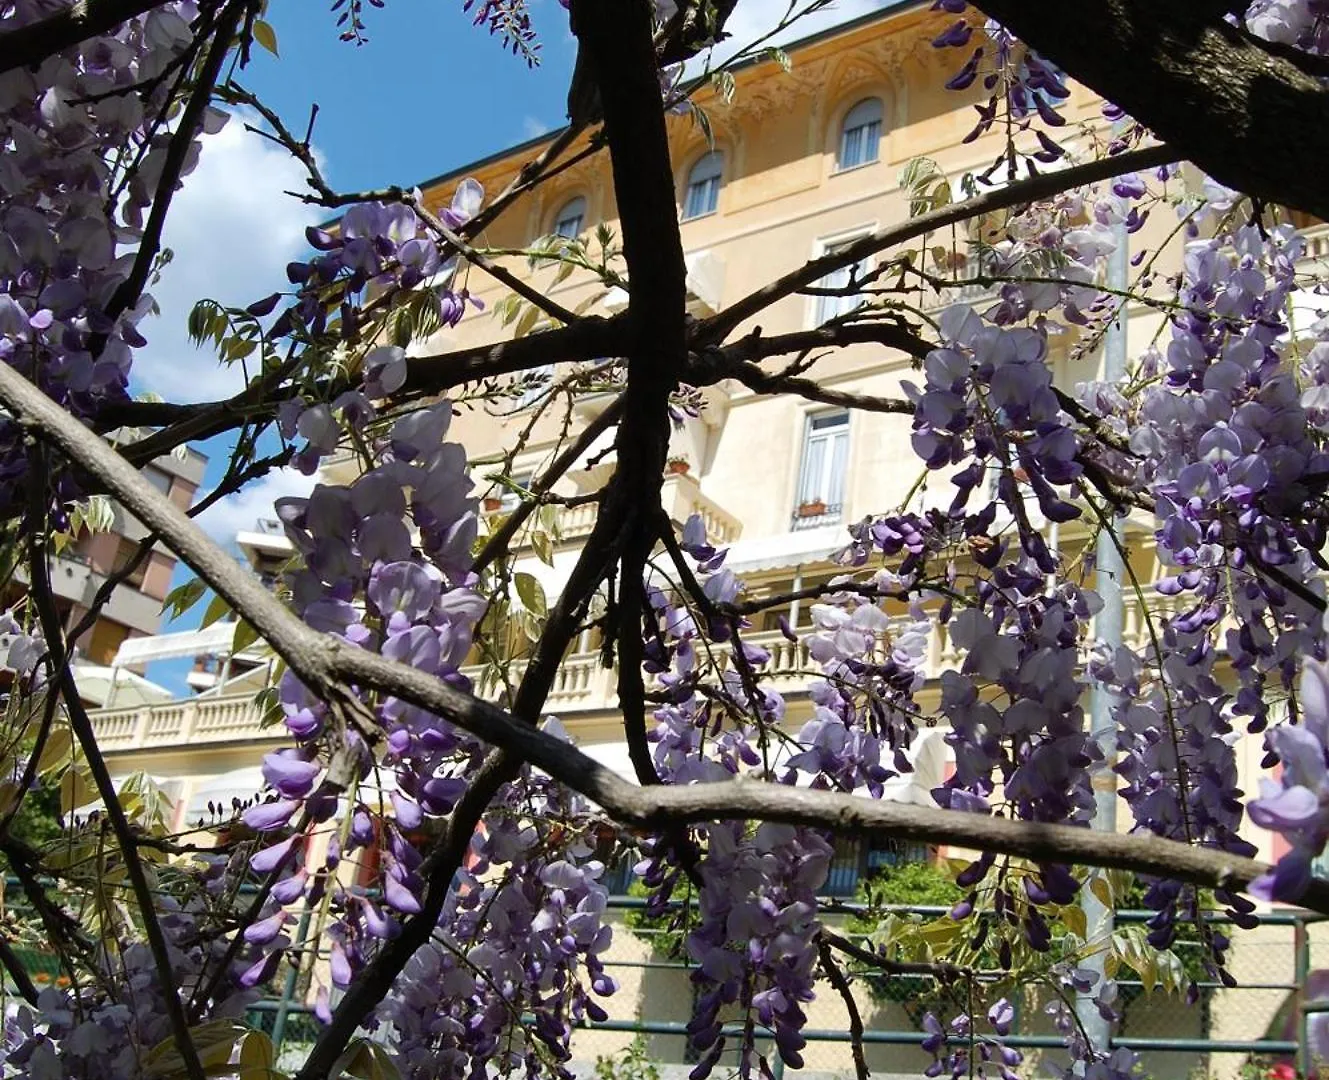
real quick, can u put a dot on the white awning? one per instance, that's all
(705, 283)
(213, 640)
(95, 681)
(796, 548)
(927, 756)
(239, 784)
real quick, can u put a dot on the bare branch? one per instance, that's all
(498, 273)
(29, 45)
(14, 967)
(502, 536)
(1221, 97)
(841, 986)
(177, 152)
(44, 598)
(325, 662)
(763, 382)
(714, 330)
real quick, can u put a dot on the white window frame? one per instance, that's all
(822, 487)
(823, 308)
(845, 130)
(715, 182)
(563, 216)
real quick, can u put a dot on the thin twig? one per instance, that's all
(79, 721)
(841, 986)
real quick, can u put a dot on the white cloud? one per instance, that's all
(533, 127)
(240, 512)
(232, 232)
(751, 19)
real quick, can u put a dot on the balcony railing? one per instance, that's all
(582, 685)
(230, 718)
(680, 495)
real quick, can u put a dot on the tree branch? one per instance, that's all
(841, 986)
(764, 382)
(1250, 118)
(502, 536)
(29, 45)
(324, 663)
(714, 330)
(589, 338)
(177, 151)
(14, 966)
(44, 598)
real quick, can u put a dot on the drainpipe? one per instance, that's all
(1108, 572)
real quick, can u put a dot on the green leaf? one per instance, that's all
(214, 1041)
(529, 317)
(543, 546)
(245, 635)
(76, 790)
(266, 36)
(927, 185)
(564, 271)
(57, 753)
(506, 308)
(217, 608)
(257, 1056)
(183, 597)
(1074, 918)
(532, 594)
(365, 1061)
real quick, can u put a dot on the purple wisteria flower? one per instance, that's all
(1297, 805)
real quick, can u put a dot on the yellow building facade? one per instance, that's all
(793, 168)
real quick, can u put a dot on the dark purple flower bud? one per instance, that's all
(259, 308)
(288, 890)
(340, 966)
(289, 773)
(399, 897)
(321, 240)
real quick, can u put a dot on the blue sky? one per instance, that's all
(397, 110)
(426, 94)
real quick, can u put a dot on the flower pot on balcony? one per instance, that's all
(812, 509)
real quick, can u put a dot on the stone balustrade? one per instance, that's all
(229, 718)
(581, 686)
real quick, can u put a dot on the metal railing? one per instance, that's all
(1229, 1026)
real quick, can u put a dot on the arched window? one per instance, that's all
(571, 218)
(860, 135)
(703, 194)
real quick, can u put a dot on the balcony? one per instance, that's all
(582, 686)
(74, 580)
(680, 495)
(228, 719)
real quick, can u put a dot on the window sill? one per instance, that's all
(698, 217)
(840, 170)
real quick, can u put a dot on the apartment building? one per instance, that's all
(800, 163)
(796, 164)
(79, 570)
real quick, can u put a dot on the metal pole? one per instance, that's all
(288, 988)
(1301, 971)
(1108, 573)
